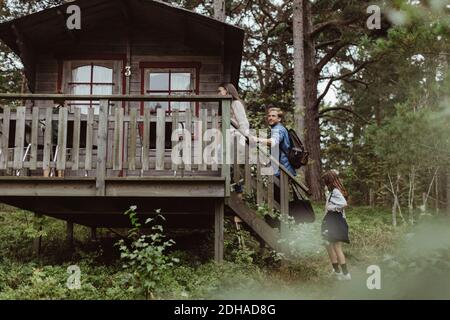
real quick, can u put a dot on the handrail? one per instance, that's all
(103, 132)
(282, 167)
(142, 98)
(114, 97)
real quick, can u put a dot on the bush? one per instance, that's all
(145, 257)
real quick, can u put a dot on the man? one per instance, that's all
(279, 138)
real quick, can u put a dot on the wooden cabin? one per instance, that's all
(93, 134)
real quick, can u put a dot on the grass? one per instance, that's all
(247, 273)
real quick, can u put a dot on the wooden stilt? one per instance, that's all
(284, 203)
(93, 233)
(69, 237)
(218, 232)
(37, 242)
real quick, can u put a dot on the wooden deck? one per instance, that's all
(148, 187)
(92, 179)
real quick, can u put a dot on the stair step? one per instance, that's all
(270, 235)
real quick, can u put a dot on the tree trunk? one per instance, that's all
(312, 130)
(412, 178)
(299, 69)
(219, 10)
(448, 191)
(436, 191)
(394, 212)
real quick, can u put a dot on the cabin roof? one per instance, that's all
(45, 31)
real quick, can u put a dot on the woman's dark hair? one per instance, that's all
(231, 90)
(331, 180)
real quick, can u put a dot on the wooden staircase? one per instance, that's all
(269, 191)
(271, 236)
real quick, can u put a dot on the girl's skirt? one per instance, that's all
(335, 227)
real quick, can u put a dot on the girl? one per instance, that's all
(334, 225)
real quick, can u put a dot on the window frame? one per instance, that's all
(192, 67)
(65, 67)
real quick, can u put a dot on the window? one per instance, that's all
(91, 78)
(173, 81)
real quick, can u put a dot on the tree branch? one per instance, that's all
(327, 43)
(341, 77)
(330, 55)
(322, 112)
(328, 24)
(324, 93)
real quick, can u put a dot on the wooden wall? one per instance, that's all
(144, 47)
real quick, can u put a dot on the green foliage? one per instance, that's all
(145, 258)
(249, 272)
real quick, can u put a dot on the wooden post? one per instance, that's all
(204, 125)
(284, 202)
(259, 185)
(270, 189)
(218, 232)
(226, 122)
(76, 139)
(175, 123)
(146, 141)
(48, 144)
(37, 242)
(160, 138)
(247, 172)
(187, 156)
(132, 133)
(371, 198)
(20, 138)
(89, 139)
(101, 155)
(118, 139)
(69, 235)
(5, 138)
(62, 139)
(34, 138)
(93, 233)
(215, 125)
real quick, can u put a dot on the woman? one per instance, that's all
(334, 225)
(238, 119)
(238, 115)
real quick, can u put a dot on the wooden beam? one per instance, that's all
(125, 10)
(284, 203)
(268, 234)
(226, 123)
(37, 242)
(93, 233)
(26, 55)
(114, 97)
(4, 139)
(218, 230)
(69, 235)
(168, 187)
(70, 33)
(102, 144)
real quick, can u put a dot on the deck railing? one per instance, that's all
(117, 139)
